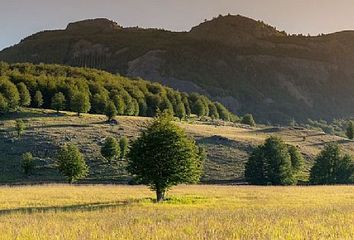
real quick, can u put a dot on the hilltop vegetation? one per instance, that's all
(245, 64)
(87, 90)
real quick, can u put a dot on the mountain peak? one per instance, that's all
(94, 25)
(230, 26)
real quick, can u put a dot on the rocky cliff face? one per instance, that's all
(246, 64)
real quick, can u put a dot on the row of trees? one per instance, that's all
(277, 163)
(88, 90)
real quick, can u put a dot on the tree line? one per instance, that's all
(85, 90)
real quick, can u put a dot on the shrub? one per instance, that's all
(248, 119)
(20, 128)
(110, 111)
(110, 149)
(124, 147)
(27, 163)
(350, 130)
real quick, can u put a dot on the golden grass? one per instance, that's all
(192, 212)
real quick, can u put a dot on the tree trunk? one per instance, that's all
(160, 195)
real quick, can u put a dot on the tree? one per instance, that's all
(331, 167)
(25, 97)
(248, 119)
(180, 110)
(199, 108)
(224, 114)
(80, 103)
(10, 93)
(38, 99)
(350, 130)
(71, 163)
(213, 111)
(20, 128)
(124, 147)
(58, 101)
(119, 104)
(163, 156)
(274, 162)
(110, 149)
(110, 111)
(27, 163)
(3, 104)
(99, 102)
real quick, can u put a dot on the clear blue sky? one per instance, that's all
(20, 18)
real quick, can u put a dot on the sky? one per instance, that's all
(21, 18)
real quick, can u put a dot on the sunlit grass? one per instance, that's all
(191, 212)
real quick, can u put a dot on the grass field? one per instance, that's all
(191, 212)
(228, 145)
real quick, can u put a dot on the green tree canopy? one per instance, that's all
(124, 147)
(331, 167)
(163, 156)
(110, 111)
(38, 99)
(25, 97)
(58, 101)
(71, 163)
(350, 130)
(27, 163)
(80, 103)
(274, 162)
(248, 119)
(110, 149)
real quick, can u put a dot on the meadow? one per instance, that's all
(191, 212)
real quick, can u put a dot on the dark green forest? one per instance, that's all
(88, 90)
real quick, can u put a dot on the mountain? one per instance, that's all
(247, 65)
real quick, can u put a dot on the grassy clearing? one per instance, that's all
(227, 146)
(192, 212)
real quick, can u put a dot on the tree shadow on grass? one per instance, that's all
(69, 208)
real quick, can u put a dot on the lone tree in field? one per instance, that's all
(163, 156)
(350, 130)
(274, 162)
(27, 163)
(80, 103)
(124, 147)
(248, 119)
(110, 149)
(71, 163)
(38, 99)
(58, 102)
(331, 167)
(110, 111)
(20, 128)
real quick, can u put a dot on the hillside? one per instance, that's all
(227, 144)
(245, 64)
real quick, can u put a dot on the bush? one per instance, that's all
(331, 167)
(350, 130)
(27, 163)
(110, 111)
(274, 163)
(20, 128)
(248, 119)
(124, 147)
(71, 163)
(110, 149)
(163, 156)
